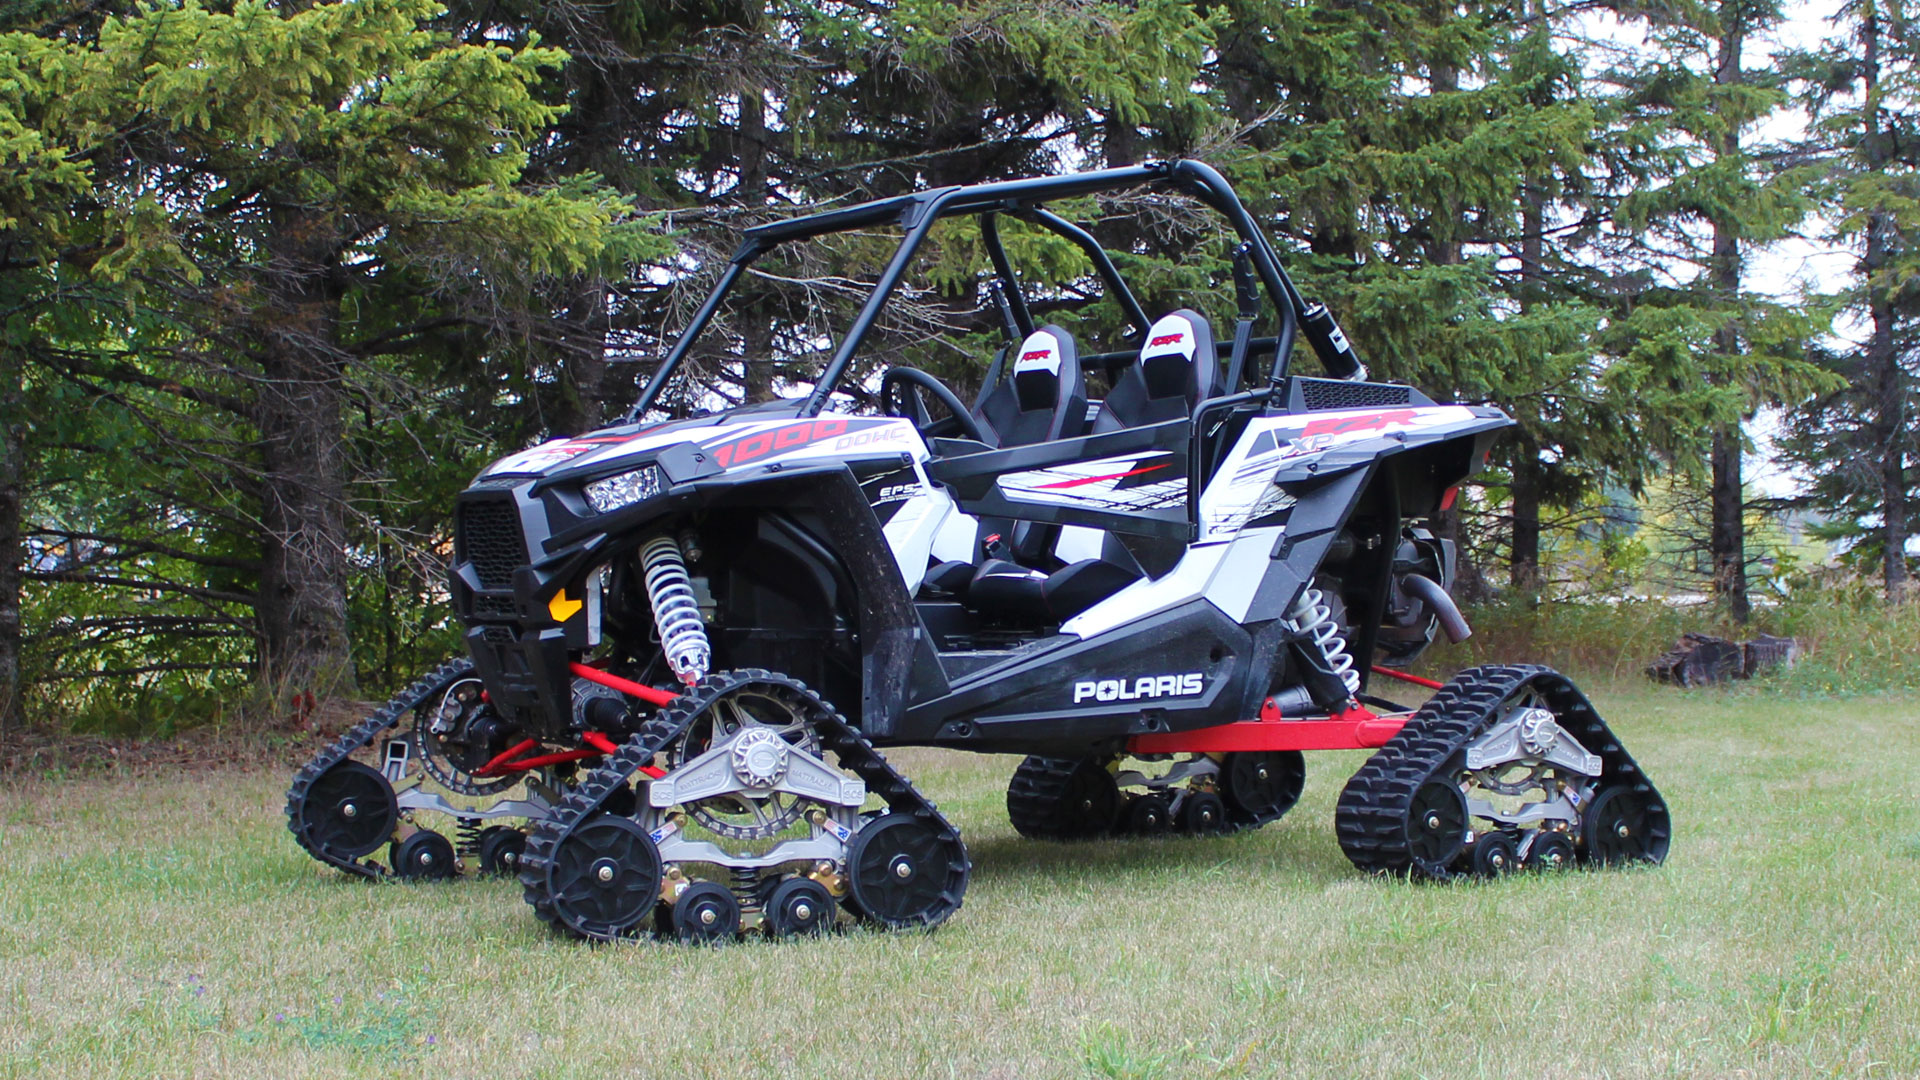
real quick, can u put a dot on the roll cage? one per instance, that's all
(1024, 199)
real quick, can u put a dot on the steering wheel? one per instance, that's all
(900, 396)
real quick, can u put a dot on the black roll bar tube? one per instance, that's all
(1102, 263)
(1205, 182)
(917, 213)
(736, 266)
(990, 237)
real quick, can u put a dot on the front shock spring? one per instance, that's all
(1312, 617)
(676, 612)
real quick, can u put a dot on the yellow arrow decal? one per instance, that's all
(562, 608)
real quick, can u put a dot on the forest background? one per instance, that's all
(276, 279)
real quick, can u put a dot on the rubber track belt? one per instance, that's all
(362, 734)
(1370, 819)
(1036, 797)
(657, 734)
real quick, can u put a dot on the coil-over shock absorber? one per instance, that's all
(1312, 622)
(676, 612)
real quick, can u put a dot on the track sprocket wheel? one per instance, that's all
(604, 878)
(1625, 824)
(1261, 786)
(902, 872)
(348, 812)
(457, 732)
(769, 706)
(1063, 798)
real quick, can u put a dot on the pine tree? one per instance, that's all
(1707, 197)
(293, 196)
(1859, 442)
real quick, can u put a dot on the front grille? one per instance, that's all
(1319, 394)
(488, 606)
(487, 534)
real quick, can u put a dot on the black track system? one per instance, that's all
(854, 752)
(1053, 798)
(302, 814)
(1371, 819)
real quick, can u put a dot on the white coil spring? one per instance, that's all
(1312, 616)
(676, 612)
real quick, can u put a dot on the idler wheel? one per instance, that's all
(1149, 815)
(1550, 851)
(1259, 786)
(349, 811)
(1436, 826)
(706, 914)
(500, 848)
(1494, 855)
(424, 856)
(1203, 813)
(1625, 824)
(799, 906)
(605, 878)
(901, 872)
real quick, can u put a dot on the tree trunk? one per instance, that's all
(1727, 543)
(302, 609)
(582, 327)
(1524, 564)
(12, 494)
(1889, 426)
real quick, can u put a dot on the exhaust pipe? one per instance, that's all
(1442, 605)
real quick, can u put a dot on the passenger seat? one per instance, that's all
(1176, 370)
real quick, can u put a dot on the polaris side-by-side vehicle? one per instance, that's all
(688, 637)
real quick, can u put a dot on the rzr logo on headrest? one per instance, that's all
(1037, 354)
(1164, 339)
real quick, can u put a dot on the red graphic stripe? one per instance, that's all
(1097, 479)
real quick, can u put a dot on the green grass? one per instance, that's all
(169, 927)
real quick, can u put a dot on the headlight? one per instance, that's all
(624, 489)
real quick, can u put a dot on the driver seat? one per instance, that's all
(1043, 399)
(1176, 370)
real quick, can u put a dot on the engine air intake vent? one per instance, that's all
(487, 534)
(1320, 394)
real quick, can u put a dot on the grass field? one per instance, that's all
(169, 927)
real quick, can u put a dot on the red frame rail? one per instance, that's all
(1355, 729)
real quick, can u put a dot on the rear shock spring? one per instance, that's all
(676, 612)
(1312, 617)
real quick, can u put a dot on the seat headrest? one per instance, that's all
(1178, 356)
(1037, 367)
